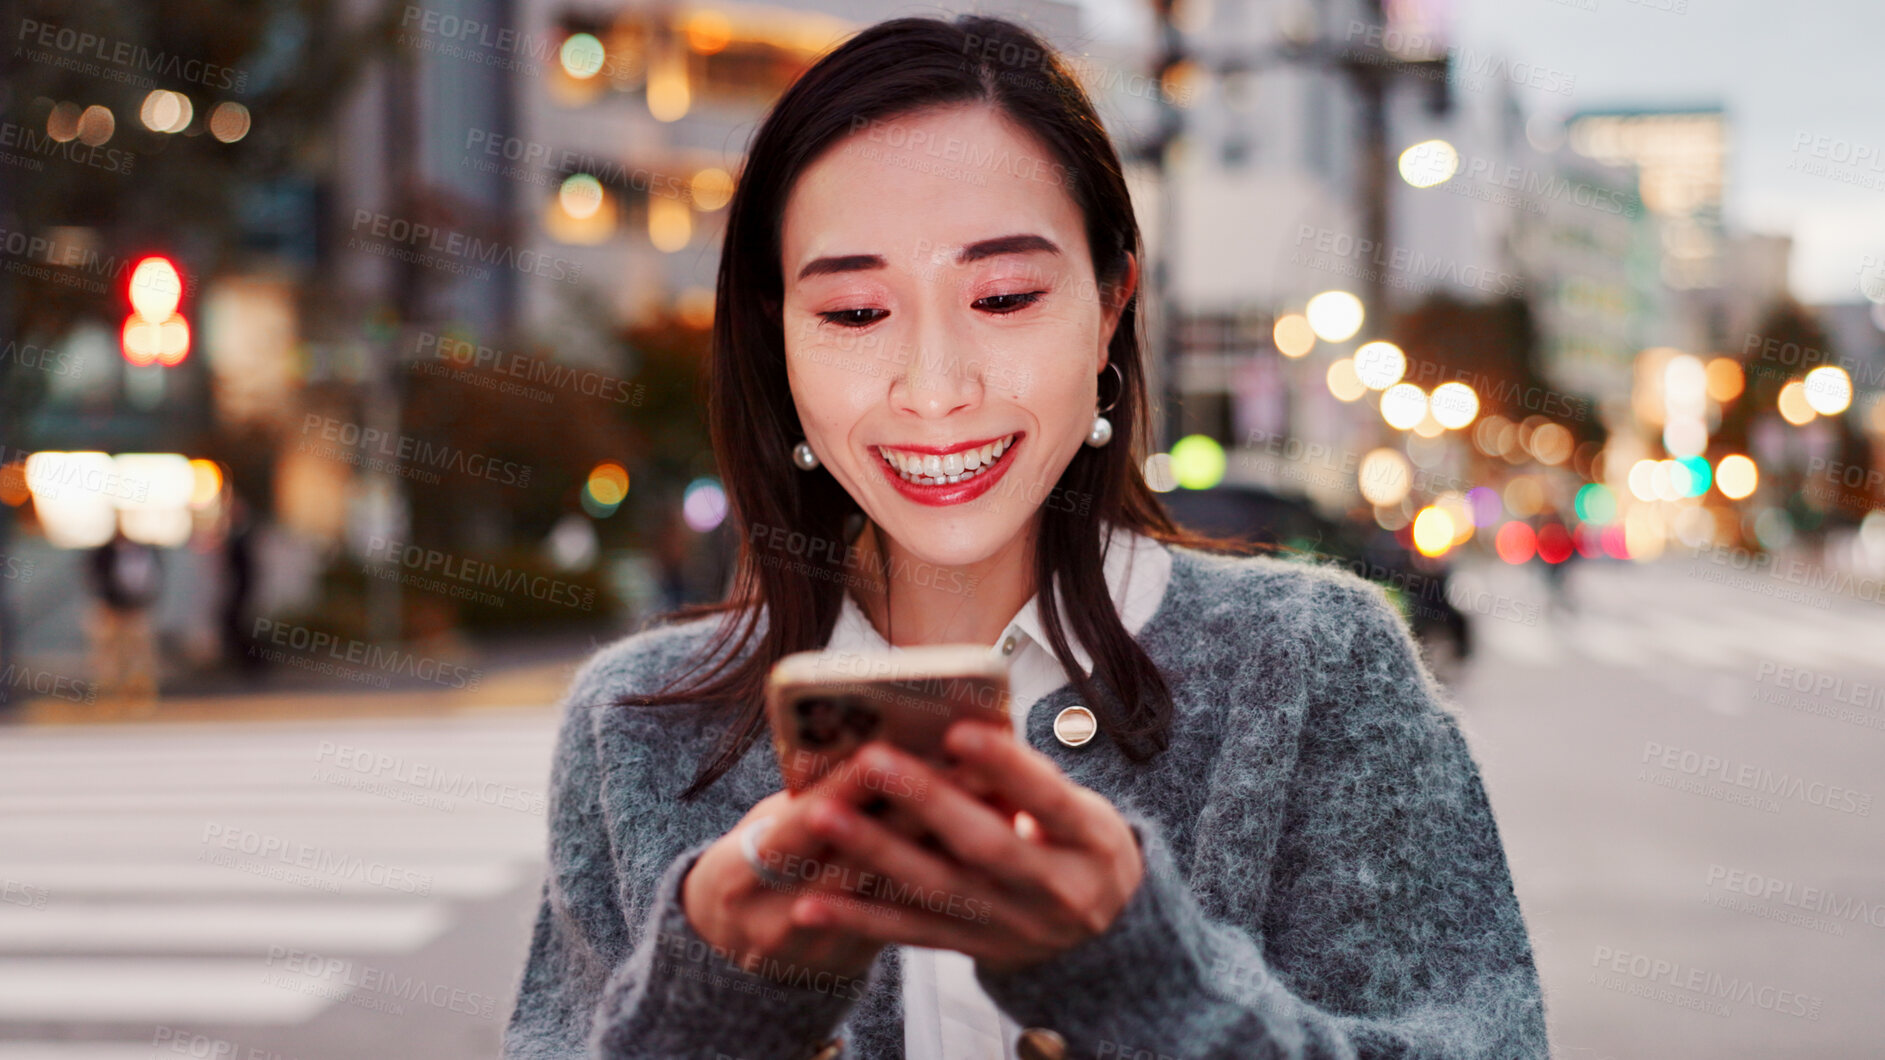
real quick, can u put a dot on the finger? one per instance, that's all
(1027, 779)
(888, 865)
(892, 924)
(969, 829)
(790, 835)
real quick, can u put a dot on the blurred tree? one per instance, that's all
(1493, 347)
(1800, 344)
(84, 192)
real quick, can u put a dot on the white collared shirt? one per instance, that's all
(946, 1014)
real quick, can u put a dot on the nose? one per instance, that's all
(937, 381)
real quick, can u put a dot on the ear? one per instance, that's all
(1113, 300)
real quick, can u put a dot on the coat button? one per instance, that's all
(1075, 726)
(830, 1050)
(1039, 1043)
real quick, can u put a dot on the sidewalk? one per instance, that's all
(537, 676)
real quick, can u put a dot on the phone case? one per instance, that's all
(823, 705)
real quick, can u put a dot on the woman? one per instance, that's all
(927, 399)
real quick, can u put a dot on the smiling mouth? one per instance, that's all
(928, 469)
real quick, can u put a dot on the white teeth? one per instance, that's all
(960, 466)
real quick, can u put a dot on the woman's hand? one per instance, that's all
(731, 908)
(1010, 890)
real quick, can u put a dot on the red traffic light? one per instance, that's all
(155, 333)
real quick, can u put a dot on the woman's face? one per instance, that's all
(939, 296)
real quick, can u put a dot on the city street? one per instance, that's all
(357, 888)
(271, 890)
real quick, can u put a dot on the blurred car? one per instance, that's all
(1298, 532)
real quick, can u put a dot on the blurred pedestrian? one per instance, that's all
(239, 567)
(126, 576)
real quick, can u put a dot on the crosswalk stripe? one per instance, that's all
(69, 1050)
(144, 927)
(120, 990)
(464, 879)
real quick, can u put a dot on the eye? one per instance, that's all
(848, 318)
(1009, 303)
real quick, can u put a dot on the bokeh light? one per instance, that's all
(1596, 504)
(1384, 477)
(1380, 365)
(581, 56)
(1454, 405)
(1736, 477)
(1828, 390)
(1293, 335)
(1433, 531)
(1198, 462)
(1516, 543)
(1429, 163)
(704, 504)
(1343, 382)
(1793, 405)
(229, 122)
(1335, 316)
(1403, 405)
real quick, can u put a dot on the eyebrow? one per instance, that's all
(987, 248)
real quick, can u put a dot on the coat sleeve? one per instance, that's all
(614, 968)
(1390, 927)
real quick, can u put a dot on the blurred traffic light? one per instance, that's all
(156, 332)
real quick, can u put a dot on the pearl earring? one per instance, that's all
(1102, 430)
(803, 456)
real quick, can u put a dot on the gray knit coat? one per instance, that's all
(1324, 876)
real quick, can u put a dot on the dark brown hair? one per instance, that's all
(887, 70)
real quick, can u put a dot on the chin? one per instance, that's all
(957, 539)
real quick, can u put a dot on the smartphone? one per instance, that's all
(824, 705)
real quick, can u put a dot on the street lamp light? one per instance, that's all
(1335, 316)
